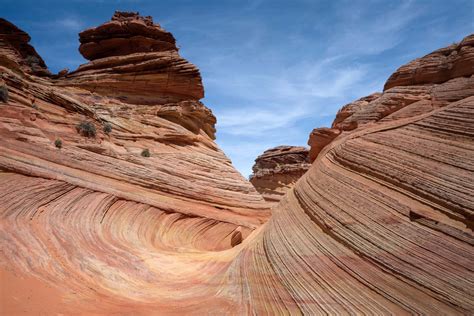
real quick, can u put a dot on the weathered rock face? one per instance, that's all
(125, 34)
(380, 224)
(319, 138)
(386, 210)
(17, 53)
(136, 61)
(440, 66)
(351, 108)
(278, 169)
(95, 208)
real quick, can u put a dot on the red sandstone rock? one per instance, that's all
(456, 60)
(382, 223)
(63, 72)
(387, 202)
(320, 138)
(136, 61)
(347, 110)
(125, 34)
(186, 175)
(388, 205)
(278, 169)
(17, 53)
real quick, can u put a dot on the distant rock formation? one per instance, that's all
(114, 198)
(278, 169)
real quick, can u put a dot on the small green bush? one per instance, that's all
(31, 59)
(3, 94)
(146, 152)
(58, 143)
(33, 62)
(107, 128)
(86, 129)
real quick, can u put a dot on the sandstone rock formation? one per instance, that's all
(319, 138)
(440, 66)
(17, 53)
(78, 216)
(125, 34)
(380, 224)
(278, 169)
(136, 61)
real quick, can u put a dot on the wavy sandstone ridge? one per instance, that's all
(380, 224)
(277, 170)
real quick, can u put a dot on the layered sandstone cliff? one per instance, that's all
(136, 61)
(380, 224)
(81, 203)
(277, 170)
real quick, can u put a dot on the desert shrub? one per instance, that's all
(35, 106)
(58, 143)
(146, 152)
(86, 129)
(3, 94)
(32, 61)
(107, 128)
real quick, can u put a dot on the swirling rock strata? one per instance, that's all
(380, 224)
(75, 216)
(278, 169)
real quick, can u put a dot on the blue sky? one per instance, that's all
(272, 70)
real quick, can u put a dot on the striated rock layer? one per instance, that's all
(135, 61)
(93, 217)
(277, 170)
(380, 224)
(17, 53)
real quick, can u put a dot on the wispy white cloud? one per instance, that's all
(274, 70)
(71, 23)
(269, 100)
(64, 24)
(273, 103)
(364, 31)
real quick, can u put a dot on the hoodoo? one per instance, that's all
(115, 199)
(135, 60)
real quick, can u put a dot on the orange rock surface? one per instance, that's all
(380, 224)
(277, 170)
